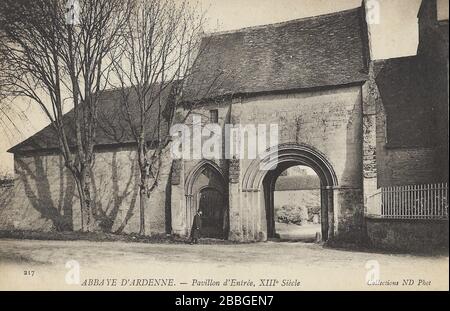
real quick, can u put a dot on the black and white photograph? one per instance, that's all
(209, 145)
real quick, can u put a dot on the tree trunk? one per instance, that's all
(84, 191)
(88, 203)
(80, 194)
(142, 201)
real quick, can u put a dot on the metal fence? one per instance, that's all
(426, 201)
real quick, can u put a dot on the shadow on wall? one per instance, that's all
(38, 192)
(7, 195)
(50, 189)
(110, 198)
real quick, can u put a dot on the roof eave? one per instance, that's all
(230, 96)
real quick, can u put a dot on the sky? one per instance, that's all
(394, 34)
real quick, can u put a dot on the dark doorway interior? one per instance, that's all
(211, 203)
(206, 190)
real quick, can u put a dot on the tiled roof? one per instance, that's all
(304, 182)
(319, 51)
(404, 91)
(113, 127)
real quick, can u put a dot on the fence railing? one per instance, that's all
(427, 201)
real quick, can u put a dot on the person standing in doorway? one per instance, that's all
(196, 227)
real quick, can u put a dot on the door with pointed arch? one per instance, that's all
(206, 190)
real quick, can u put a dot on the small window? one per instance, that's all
(214, 116)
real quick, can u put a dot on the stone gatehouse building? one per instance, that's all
(359, 124)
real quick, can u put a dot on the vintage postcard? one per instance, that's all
(257, 145)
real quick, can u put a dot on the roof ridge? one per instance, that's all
(280, 24)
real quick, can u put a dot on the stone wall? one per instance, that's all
(329, 121)
(35, 202)
(410, 98)
(433, 49)
(183, 205)
(404, 153)
(412, 146)
(408, 235)
(44, 196)
(401, 166)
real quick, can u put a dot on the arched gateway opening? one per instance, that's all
(297, 210)
(206, 190)
(263, 173)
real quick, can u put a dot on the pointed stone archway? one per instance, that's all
(206, 189)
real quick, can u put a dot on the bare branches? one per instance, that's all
(28, 47)
(47, 58)
(143, 48)
(160, 40)
(88, 45)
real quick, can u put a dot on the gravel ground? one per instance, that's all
(312, 265)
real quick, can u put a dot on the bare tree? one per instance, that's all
(11, 114)
(56, 48)
(161, 42)
(89, 41)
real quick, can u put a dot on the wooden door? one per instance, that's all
(212, 206)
